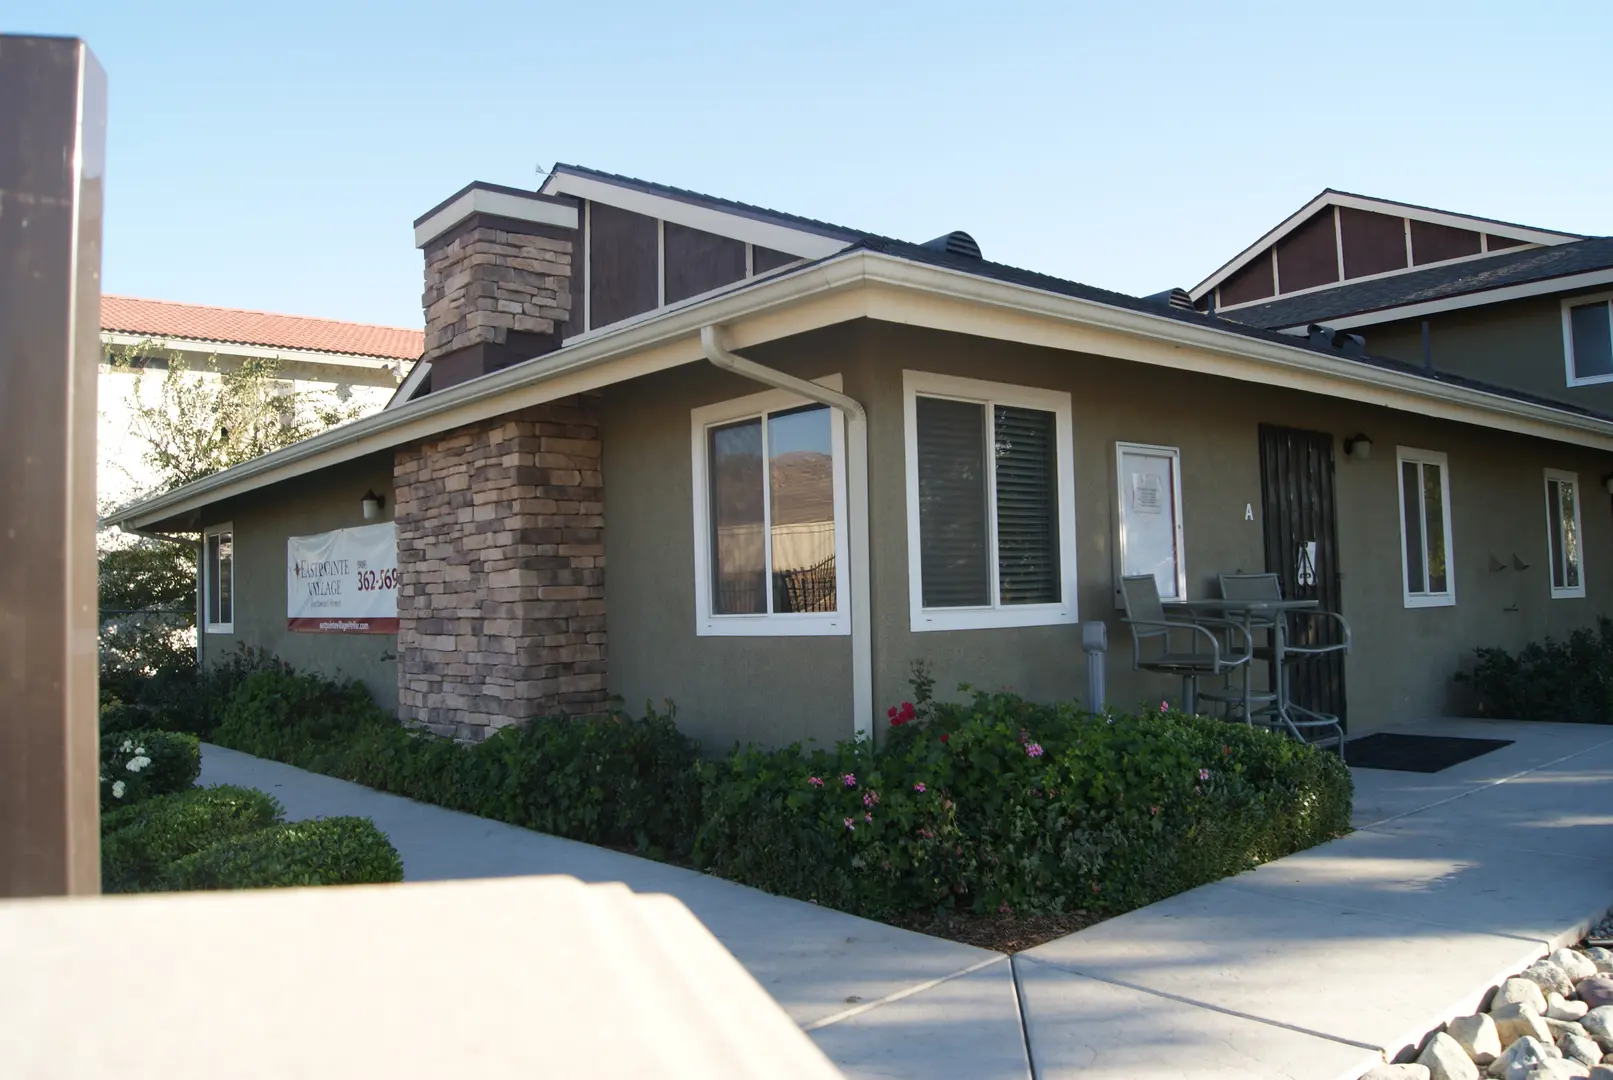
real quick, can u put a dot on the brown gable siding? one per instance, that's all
(1373, 243)
(1309, 255)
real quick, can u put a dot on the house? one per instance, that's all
(664, 445)
(352, 362)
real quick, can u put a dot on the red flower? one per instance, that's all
(945, 736)
(903, 715)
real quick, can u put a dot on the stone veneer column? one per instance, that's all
(501, 599)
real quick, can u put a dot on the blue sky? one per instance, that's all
(274, 156)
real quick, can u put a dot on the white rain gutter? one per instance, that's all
(862, 642)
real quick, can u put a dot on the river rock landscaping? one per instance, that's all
(1552, 1021)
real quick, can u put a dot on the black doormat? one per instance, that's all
(1415, 753)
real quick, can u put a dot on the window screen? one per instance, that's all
(220, 578)
(953, 515)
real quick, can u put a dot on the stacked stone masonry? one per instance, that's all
(486, 282)
(501, 557)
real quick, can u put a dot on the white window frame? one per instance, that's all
(208, 625)
(1606, 300)
(1562, 476)
(776, 624)
(1404, 454)
(1175, 454)
(997, 614)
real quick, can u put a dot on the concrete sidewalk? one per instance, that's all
(1315, 966)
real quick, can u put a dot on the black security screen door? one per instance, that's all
(1302, 545)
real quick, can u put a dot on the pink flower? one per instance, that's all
(927, 834)
(1164, 706)
(1153, 811)
(868, 818)
(919, 787)
(1004, 909)
(1204, 774)
(870, 798)
(1033, 749)
(849, 780)
(849, 826)
(815, 781)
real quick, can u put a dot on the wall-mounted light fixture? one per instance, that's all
(1607, 482)
(372, 505)
(1358, 448)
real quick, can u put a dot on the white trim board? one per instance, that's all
(799, 242)
(864, 284)
(772, 624)
(1344, 282)
(916, 384)
(479, 200)
(1524, 233)
(269, 352)
(1544, 287)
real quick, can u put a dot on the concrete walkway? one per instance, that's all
(1315, 966)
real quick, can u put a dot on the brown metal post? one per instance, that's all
(52, 164)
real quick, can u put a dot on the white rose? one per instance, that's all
(137, 763)
(117, 789)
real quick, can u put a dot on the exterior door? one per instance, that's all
(1301, 538)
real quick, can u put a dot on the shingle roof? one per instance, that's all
(1015, 276)
(162, 318)
(1433, 283)
(762, 213)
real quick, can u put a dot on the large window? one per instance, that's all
(218, 579)
(1149, 485)
(990, 504)
(1588, 338)
(1425, 528)
(770, 517)
(1563, 535)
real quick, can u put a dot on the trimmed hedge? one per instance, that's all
(325, 851)
(1003, 805)
(136, 765)
(140, 843)
(608, 780)
(1569, 681)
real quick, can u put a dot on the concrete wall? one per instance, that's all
(263, 521)
(778, 689)
(1518, 344)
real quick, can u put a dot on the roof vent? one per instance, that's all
(1176, 298)
(1328, 338)
(955, 243)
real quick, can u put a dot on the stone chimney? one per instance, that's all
(499, 277)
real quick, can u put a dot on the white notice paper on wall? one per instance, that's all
(1148, 526)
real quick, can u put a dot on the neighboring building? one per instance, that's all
(1519, 307)
(354, 362)
(591, 495)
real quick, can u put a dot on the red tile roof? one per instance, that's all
(160, 318)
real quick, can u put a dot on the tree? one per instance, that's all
(198, 423)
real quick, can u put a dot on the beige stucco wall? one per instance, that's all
(1518, 344)
(775, 689)
(263, 521)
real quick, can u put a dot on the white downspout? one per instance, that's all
(862, 642)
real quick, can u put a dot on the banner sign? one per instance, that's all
(343, 582)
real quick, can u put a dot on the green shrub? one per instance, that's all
(140, 842)
(1001, 804)
(1566, 681)
(326, 851)
(121, 717)
(136, 765)
(603, 780)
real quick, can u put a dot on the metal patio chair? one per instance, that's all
(1300, 721)
(1152, 646)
